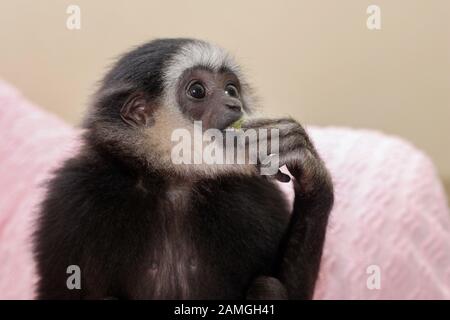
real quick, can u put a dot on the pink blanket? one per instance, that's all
(389, 233)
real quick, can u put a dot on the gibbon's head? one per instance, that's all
(161, 86)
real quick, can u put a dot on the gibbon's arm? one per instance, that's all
(296, 272)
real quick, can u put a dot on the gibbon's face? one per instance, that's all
(171, 86)
(211, 97)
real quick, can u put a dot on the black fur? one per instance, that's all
(139, 234)
(96, 217)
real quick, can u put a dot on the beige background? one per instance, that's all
(315, 60)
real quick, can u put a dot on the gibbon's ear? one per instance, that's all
(137, 111)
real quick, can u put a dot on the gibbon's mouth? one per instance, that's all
(238, 123)
(227, 122)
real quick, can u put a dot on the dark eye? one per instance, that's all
(232, 91)
(196, 90)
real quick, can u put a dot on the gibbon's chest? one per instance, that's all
(203, 234)
(171, 261)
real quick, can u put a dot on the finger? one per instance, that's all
(282, 177)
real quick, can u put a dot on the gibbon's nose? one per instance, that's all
(233, 104)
